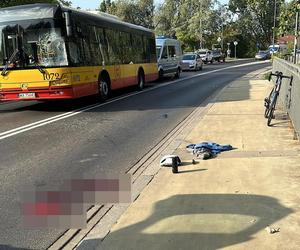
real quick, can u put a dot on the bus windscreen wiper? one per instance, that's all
(10, 60)
(39, 67)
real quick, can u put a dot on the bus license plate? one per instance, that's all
(27, 95)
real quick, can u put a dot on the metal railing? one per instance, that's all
(290, 58)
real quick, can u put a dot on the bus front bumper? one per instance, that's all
(37, 94)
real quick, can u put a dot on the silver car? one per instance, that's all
(191, 61)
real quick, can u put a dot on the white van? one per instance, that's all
(278, 48)
(169, 56)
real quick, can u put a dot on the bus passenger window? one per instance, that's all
(137, 45)
(74, 52)
(102, 44)
(147, 53)
(125, 48)
(152, 50)
(112, 42)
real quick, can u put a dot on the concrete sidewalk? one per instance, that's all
(225, 202)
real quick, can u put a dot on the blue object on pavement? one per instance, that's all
(214, 147)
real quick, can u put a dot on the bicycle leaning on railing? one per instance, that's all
(271, 100)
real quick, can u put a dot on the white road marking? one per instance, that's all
(49, 120)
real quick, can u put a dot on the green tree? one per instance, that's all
(107, 6)
(181, 19)
(138, 12)
(287, 18)
(256, 19)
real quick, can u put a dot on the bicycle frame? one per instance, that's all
(270, 102)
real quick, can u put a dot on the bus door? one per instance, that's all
(11, 41)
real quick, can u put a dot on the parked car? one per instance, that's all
(169, 56)
(218, 56)
(263, 55)
(191, 61)
(205, 55)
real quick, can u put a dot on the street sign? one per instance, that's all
(235, 43)
(219, 39)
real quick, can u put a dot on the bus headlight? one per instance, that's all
(64, 80)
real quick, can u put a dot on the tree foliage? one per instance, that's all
(8, 3)
(138, 12)
(181, 19)
(256, 19)
(287, 18)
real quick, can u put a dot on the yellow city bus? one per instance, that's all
(54, 52)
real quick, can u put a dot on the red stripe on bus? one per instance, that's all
(68, 92)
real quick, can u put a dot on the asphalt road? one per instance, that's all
(107, 139)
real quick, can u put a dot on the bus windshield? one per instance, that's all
(40, 42)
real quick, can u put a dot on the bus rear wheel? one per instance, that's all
(104, 89)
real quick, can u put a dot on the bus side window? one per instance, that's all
(125, 48)
(152, 50)
(83, 43)
(74, 53)
(93, 47)
(147, 54)
(137, 45)
(102, 44)
(112, 38)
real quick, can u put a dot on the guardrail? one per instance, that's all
(289, 97)
(290, 58)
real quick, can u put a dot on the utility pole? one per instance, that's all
(296, 37)
(223, 12)
(222, 44)
(200, 12)
(274, 25)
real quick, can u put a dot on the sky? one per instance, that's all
(93, 4)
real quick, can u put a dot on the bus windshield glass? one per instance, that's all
(39, 41)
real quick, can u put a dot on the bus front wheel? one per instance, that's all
(104, 89)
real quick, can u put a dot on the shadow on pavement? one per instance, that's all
(197, 221)
(8, 247)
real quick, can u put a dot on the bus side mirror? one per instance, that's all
(68, 24)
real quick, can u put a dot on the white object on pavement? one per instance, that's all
(272, 230)
(167, 160)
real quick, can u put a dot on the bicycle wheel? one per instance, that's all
(267, 103)
(271, 110)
